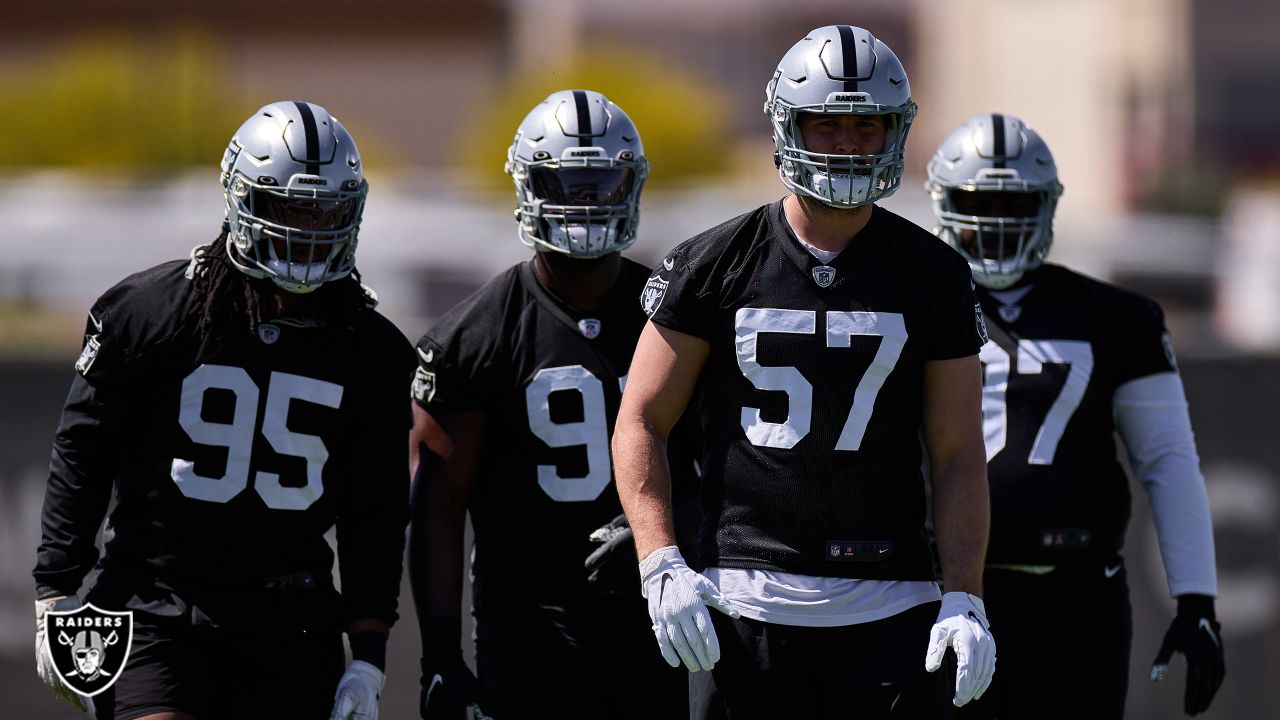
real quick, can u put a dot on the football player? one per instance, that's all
(1071, 361)
(828, 332)
(238, 405)
(515, 397)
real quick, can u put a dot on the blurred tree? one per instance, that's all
(678, 114)
(110, 101)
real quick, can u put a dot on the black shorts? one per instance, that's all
(175, 666)
(591, 659)
(781, 672)
(1062, 644)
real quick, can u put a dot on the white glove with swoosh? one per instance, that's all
(358, 692)
(962, 625)
(678, 600)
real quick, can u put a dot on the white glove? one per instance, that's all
(44, 662)
(962, 625)
(678, 599)
(358, 691)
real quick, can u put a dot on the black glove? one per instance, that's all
(448, 686)
(612, 568)
(1197, 635)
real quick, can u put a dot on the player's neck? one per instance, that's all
(580, 284)
(822, 226)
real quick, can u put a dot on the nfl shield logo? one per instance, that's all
(654, 291)
(590, 328)
(824, 275)
(1009, 313)
(424, 385)
(89, 646)
(268, 333)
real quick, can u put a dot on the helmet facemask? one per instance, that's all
(299, 236)
(840, 181)
(1003, 227)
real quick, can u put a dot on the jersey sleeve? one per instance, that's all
(375, 498)
(958, 327)
(85, 454)
(676, 297)
(1145, 345)
(457, 365)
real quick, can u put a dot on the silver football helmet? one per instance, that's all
(578, 166)
(839, 69)
(995, 188)
(295, 193)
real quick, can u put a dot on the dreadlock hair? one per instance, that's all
(223, 294)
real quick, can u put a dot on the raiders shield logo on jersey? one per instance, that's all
(89, 646)
(654, 291)
(824, 275)
(88, 354)
(1009, 313)
(981, 323)
(424, 385)
(590, 328)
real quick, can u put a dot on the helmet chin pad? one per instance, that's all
(842, 189)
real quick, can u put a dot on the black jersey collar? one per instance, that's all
(564, 312)
(805, 260)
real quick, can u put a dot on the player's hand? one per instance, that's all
(962, 625)
(449, 689)
(44, 661)
(1196, 634)
(678, 599)
(358, 692)
(610, 567)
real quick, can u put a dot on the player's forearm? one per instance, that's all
(962, 519)
(435, 552)
(644, 483)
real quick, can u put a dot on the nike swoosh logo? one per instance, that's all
(436, 681)
(1111, 571)
(97, 324)
(427, 356)
(662, 589)
(1204, 625)
(884, 550)
(668, 263)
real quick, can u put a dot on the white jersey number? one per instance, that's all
(237, 435)
(841, 327)
(1032, 357)
(592, 431)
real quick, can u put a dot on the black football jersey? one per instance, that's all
(549, 379)
(813, 388)
(1050, 370)
(230, 457)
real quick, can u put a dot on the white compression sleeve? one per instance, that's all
(1151, 416)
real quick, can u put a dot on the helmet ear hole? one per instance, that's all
(541, 155)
